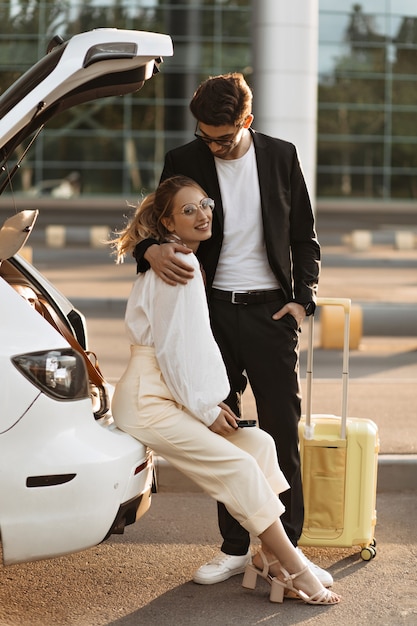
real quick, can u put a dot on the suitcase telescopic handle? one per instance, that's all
(346, 304)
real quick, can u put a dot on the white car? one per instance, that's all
(68, 477)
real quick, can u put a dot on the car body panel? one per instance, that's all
(68, 477)
(76, 514)
(43, 437)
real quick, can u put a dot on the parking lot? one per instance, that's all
(145, 576)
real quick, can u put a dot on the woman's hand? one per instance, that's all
(226, 422)
(166, 264)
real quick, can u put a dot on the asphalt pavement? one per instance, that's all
(144, 577)
(383, 367)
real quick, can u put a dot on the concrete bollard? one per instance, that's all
(404, 240)
(55, 236)
(332, 324)
(99, 235)
(361, 240)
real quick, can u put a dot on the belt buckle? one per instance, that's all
(234, 294)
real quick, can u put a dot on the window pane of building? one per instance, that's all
(367, 109)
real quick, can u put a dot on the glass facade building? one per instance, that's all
(367, 92)
(367, 122)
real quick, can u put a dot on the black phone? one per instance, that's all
(246, 423)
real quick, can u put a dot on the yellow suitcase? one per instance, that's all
(339, 464)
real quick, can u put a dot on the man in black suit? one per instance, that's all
(262, 266)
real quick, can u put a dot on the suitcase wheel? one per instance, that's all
(369, 552)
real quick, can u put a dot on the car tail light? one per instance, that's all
(141, 467)
(60, 374)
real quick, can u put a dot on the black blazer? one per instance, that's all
(291, 243)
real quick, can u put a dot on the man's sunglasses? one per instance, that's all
(219, 142)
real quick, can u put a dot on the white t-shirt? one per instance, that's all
(243, 263)
(175, 320)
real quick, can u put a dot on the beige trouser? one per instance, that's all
(241, 471)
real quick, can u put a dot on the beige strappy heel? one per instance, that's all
(285, 585)
(252, 573)
(278, 586)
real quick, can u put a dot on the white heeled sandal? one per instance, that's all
(279, 586)
(252, 572)
(323, 596)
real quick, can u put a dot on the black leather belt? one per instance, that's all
(246, 297)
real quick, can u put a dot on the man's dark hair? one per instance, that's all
(222, 100)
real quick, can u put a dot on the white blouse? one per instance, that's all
(175, 320)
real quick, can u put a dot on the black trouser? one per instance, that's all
(265, 351)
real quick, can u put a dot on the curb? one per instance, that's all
(394, 319)
(371, 319)
(57, 236)
(378, 319)
(396, 473)
(361, 240)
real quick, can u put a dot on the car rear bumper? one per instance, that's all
(66, 481)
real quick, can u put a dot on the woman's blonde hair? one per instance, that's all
(148, 220)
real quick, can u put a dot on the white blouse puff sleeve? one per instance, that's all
(175, 320)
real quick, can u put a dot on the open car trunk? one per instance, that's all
(91, 65)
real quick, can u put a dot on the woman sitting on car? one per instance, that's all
(171, 395)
